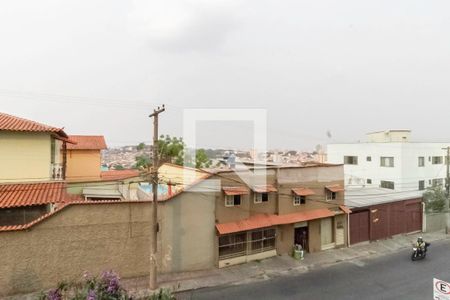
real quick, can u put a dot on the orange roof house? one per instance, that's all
(84, 158)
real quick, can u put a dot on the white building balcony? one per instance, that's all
(57, 172)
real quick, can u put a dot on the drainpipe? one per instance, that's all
(348, 230)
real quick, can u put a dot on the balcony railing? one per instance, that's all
(56, 172)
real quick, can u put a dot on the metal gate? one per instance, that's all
(359, 227)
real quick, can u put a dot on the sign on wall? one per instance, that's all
(441, 290)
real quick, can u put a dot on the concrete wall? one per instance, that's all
(98, 237)
(24, 156)
(83, 165)
(435, 221)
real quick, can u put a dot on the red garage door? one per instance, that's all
(359, 227)
(413, 217)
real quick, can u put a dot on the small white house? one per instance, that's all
(390, 160)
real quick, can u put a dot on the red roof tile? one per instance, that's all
(235, 190)
(16, 195)
(12, 123)
(335, 188)
(118, 174)
(264, 188)
(87, 142)
(266, 220)
(303, 191)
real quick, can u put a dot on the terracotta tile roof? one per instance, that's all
(335, 188)
(235, 190)
(266, 220)
(303, 191)
(264, 188)
(12, 123)
(87, 142)
(118, 174)
(345, 209)
(28, 194)
(304, 216)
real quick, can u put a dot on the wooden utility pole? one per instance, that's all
(154, 221)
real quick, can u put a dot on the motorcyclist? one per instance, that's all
(421, 245)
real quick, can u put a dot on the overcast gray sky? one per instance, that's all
(348, 66)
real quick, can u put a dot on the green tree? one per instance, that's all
(119, 167)
(140, 147)
(434, 199)
(171, 149)
(142, 162)
(201, 159)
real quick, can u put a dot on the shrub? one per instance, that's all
(105, 287)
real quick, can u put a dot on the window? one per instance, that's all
(299, 200)
(421, 185)
(386, 161)
(437, 160)
(351, 160)
(330, 195)
(261, 197)
(369, 181)
(369, 158)
(262, 240)
(232, 245)
(421, 161)
(437, 182)
(387, 184)
(232, 200)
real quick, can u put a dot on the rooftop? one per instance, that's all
(87, 142)
(362, 197)
(29, 194)
(12, 123)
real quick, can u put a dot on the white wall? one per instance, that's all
(406, 173)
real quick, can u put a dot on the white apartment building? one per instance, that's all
(390, 160)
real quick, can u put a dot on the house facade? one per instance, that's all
(84, 158)
(33, 169)
(390, 160)
(298, 205)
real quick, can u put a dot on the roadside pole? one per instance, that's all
(154, 218)
(447, 189)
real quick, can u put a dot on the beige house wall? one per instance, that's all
(83, 165)
(98, 237)
(24, 156)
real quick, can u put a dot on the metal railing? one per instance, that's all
(57, 172)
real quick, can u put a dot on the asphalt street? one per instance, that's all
(393, 276)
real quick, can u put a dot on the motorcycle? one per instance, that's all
(419, 253)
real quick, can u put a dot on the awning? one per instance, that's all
(235, 190)
(335, 188)
(266, 220)
(345, 209)
(303, 191)
(264, 188)
(20, 194)
(304, 216)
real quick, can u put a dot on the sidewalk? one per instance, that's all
(279, 265)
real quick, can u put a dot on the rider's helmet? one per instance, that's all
(419, 239)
